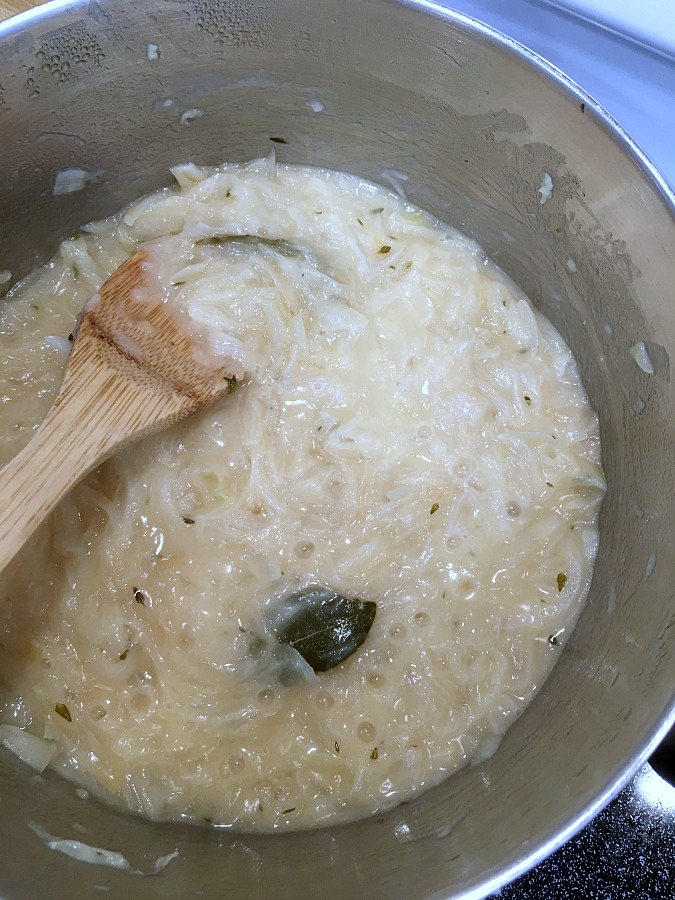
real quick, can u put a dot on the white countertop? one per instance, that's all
(635, 85)
(648, 22)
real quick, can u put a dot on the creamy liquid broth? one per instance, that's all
(411, 432)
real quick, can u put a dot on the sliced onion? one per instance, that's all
(70, 180)
(34, 751)
(84, 852)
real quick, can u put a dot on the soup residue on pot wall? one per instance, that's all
(412, 432)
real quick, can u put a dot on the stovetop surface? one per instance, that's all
(628, 851)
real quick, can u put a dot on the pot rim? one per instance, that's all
(665, 720)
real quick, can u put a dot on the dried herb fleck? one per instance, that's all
(139, 596)
(337, 747)
(359, 221)
(385, 248)
(374, 753)
(124, 655)
(289, 810)
(231, 383)
(528, 400)
(278, 140)
(188, 520)
(63, 711)
(71, 336)
(553, 640)
(434, 508)
(562, 580)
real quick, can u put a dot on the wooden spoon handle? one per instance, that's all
(92, 417)
(95, 413)
(72, 439)
(35, 480)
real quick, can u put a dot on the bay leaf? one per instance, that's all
(323, 626)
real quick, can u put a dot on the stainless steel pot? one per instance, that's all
(473, 126)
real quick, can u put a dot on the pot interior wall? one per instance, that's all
(470, 130)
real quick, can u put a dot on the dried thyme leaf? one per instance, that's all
(434, 508)
(63, 711)
(385, 248)
(374, 754)
(562, 580)
(278, 140)
(323, 626)
(139, 596)
(188, 520)
(231, 383)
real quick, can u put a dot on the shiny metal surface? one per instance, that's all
(470, 124)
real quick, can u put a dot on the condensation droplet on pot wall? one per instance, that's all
(402, 832)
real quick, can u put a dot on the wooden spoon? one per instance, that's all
(131, 371)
